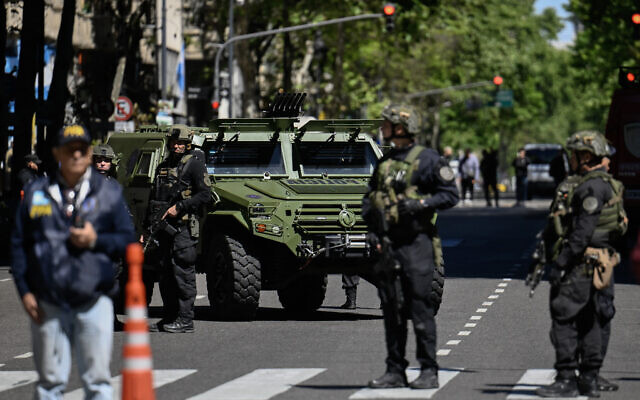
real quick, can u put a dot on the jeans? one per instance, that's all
(521, 188)
(89, 329)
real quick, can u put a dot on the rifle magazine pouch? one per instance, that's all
(606, 260)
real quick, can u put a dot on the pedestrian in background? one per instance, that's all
(489, 172)
(521, 164)
(70, 229)
(408, 185)
(469, 167)
(30, 171)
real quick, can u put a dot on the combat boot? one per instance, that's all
(389, 380)
(180, 325)
(351, 293)
(605, 385)
(560, 388)
(588, 385)
(428, 379)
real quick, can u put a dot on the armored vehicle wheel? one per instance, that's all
(304, 294)
(437, 286)
(233, 280)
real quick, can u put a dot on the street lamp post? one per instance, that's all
(164, 50)
(230, 41)
(230, 52)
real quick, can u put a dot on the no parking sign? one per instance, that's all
(124, 109)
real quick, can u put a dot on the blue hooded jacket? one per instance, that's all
(46, 264)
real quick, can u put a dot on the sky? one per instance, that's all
(566, 35)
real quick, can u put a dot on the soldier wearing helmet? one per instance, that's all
(591, 220)
(104, 160)
(408, 185)
(181, 191)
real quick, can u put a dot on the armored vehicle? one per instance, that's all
(288, 204)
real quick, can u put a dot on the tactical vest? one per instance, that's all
(394, 184)
(170, 185)
(612, 220)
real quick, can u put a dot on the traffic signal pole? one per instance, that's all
(216, 77)
(433, 92)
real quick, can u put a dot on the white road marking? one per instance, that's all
(503, 284)
(453, 342)
(530, 381)
(494, 296)
(444, 376)
(481, 310)
(487, 303)
(499, 291)
(506, 279)
(2, 365)
(25, 355)
(470, 325)
(200, 296)
(5, 280)
(161, 377)
(464, 333)
(14, 379)
(476, 317)
(443, 352)
(261, 384)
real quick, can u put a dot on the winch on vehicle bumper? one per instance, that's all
(335, 246)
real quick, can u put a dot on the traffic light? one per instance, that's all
(635, 19)
(497, 80)
(629, 77)
(389, 11)
(215, 106)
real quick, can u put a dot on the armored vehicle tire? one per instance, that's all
(437, 286)
(304, 294)
(233, 279)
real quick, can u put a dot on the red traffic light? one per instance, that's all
(215, 105)
(497, 80)
(635, 18)
(631, 77)
(389, 9)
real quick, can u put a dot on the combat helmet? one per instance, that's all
(591, 141)
(180, 132)
(104, 150)
(403, 115)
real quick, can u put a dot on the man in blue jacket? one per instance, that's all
(70, 229)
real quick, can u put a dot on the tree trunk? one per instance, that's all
(4, 98)
(248, 68)
(58, 92)
(31, 47)
(338, 75)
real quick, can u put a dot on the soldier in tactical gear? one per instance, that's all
(408, 185)
(181, 190)
(104, 160)
(588, 217)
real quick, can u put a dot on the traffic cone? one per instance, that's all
(137, 380)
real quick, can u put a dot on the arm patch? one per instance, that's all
(446, 173)
(590, 204)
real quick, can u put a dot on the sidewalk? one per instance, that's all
(507, 200)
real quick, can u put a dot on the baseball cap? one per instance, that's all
(73, 133)
(32, 158)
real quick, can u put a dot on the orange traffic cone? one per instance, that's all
(137, 381)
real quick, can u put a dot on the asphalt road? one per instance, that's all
(492, 338)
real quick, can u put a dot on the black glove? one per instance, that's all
(555, 274)
(373, 240)
(409, 207)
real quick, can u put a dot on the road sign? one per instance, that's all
(504, 99)
(124, 109)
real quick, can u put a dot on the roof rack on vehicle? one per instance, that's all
(285, 105)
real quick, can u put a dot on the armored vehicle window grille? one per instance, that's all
(325, 219)
(144, 164)
(335, 158)
(245, 158)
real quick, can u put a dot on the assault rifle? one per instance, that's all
(387, 269)
(156, 211)
(538, 265)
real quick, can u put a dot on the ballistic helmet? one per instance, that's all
(181, 132)
(399, 114)
(591, 141)
(104, 150)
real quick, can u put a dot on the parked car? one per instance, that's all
(540, 182)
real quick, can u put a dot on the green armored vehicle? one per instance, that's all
(288, 204)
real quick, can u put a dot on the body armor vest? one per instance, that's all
(170, 186)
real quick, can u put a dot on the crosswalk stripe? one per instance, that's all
(444, 376)
(530, 381)
(261, 384)
(161, 377)
(14, 379)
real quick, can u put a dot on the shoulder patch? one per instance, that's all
(590, 204)
(446, 173)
